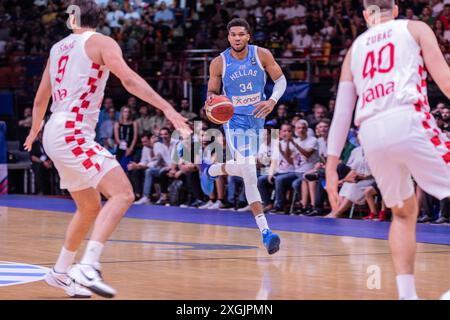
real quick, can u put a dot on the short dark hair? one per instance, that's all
(326, 121)
(165, 128)
(238, 22)
(90, 12)
(384, 5)
(147, 134)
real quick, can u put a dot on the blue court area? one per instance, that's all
(433, 234)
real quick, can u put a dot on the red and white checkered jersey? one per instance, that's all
(78, 83)
(388, 70)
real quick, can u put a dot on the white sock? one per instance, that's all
(406, 287)
(93, 251)
(261, 221)
(65, 260)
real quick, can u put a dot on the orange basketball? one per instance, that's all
(219, 109)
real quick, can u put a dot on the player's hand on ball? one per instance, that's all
(263, 108)
(209, 99)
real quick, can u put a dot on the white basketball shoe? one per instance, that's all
(446, 296)
(63, 281)
(91, 278)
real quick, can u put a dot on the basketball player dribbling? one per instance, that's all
(241, 69)
(75, 77)
(386, 68)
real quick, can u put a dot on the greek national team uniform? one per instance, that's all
(77, 88)
(243, 83)
(399, 135)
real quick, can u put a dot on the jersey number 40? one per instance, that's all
(372, 66)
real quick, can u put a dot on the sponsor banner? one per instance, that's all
(248, 100)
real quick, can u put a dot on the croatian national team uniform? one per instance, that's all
(243, 83)
(399, 135)
(77, 89)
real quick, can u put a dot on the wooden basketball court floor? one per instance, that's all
(182, 253)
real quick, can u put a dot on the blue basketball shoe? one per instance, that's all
(271, 241)
(206, 180)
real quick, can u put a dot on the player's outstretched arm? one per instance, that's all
(39, 107)
(264, 108)
(340, 125)
(111, 55)
(432, 54)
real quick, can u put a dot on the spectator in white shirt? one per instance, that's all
(296, 10)
(131, 14)
(354, 184)
(240, 11)
(302, 40)
(282, 12)
(304, 160)
(312, 177)
(281, 171)
(114, 17)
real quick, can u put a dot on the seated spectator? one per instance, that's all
(236, 194)
(146, 164)
(302, 41)
(354, 184)
(217, 198)
(25, 125)
(370, 193)
(125, 136)
(281, 172)
(443, 120)
(144, 123)
(159, 164)
(280, 117)
(42, 167)
(410, 14)
(157, 121)
(305, 159)
(106, 133)
(444, 212)
(185, 110)
(114, 18)
(319, 113)
(187, 159)
(315, 177)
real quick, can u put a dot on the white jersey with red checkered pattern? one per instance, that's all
(78, 84)
(388, 70)
(69, 136)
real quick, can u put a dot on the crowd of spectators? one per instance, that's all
(291, 175)
(160, 31)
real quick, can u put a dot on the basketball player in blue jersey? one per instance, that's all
(241, 69)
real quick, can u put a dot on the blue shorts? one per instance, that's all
(241, 134)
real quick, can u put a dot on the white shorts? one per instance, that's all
(80, 161)
(402, 143)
